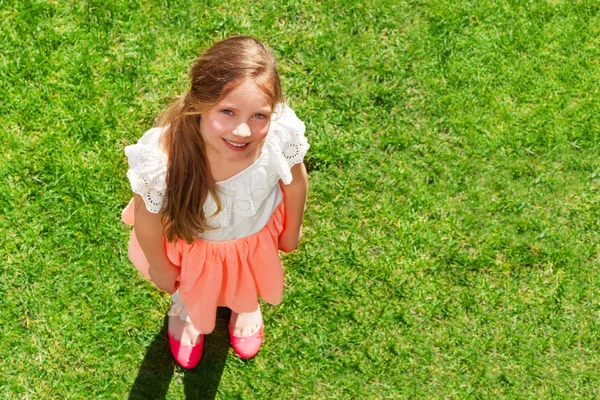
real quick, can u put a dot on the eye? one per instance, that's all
(227, 112)
(260, 116)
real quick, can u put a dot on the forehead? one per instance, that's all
(247, 93)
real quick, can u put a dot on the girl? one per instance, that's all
(220, 187)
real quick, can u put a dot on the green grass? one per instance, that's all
(450, 244)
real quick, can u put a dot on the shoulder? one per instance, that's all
(148, 168)
(149, 140)
(147, 149)
(284, 119)
(288, 132)
(286, 144)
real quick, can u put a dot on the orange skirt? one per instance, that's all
(222, 274)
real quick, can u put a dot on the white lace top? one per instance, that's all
(248, 198)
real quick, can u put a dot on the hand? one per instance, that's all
(289, 240)
(165, 277)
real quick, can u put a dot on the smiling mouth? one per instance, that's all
(236, 145)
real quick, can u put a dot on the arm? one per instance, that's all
(294, 201)
(149, 232)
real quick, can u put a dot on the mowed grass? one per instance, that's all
(450, 243)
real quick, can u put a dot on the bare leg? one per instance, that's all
(180, 327)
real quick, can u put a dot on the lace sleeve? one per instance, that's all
(291, 130)
(148, 170)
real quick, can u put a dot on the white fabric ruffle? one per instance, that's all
(148, 170)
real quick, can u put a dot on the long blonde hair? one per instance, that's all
(214, 74)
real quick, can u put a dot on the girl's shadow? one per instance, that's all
(202, 382)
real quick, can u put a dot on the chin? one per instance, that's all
(241, 155)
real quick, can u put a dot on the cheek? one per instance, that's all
(261, 129)
(213, 126)
(217, 126)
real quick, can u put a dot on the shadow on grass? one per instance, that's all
(157, 368)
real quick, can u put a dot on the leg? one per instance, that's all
(180, 326)
(185, 340)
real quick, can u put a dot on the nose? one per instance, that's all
(242, 130)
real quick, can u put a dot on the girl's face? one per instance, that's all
(236, 127)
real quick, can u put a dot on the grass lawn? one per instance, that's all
(450, 245)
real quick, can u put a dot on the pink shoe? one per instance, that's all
(186, 356)
(247, 347)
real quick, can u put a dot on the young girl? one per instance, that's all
(220, 188)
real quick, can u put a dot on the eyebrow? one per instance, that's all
(265, 110)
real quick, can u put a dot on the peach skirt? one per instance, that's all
(228, 274)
